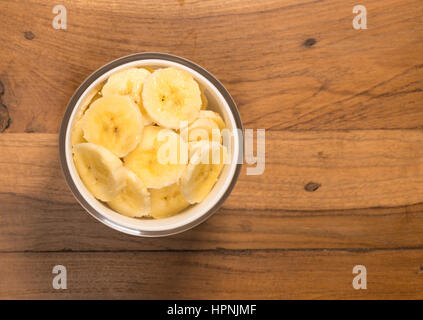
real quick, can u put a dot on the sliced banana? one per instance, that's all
(100, 170)
(77, 134)
(148, 160)
(129, 82)
(203, 170)
(114, 122)
(213, 116)
(134, 199)
(167, 201)
(126, 82)
(170, 96)
(204, 100)
(154, 180)
(202, 129)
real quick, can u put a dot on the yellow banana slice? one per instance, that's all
(77, 134)
(148, 160)
(134, 199)
(170, 96)
(213, 116)
(167, 201)
(202, 171)
(204, 100)
(100, 170)
(202, 129)
(128, 82)
(114, 122)
(150, 69)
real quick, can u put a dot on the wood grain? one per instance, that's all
(360, 170)
(32, 225)
(348, 79)
(214, 275)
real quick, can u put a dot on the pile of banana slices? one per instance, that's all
(118, 136)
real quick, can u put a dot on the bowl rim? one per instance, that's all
(72, 104)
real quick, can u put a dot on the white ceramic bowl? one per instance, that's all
(219, 100)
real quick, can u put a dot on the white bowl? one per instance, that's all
(219, 101)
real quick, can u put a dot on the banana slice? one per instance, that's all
(77, 134)
(126, 82)
(148, 160)
(202, 129)
(170, 96)
(114, 122)
(134, 199)
(100, 170)
(129, 82)
(203, 170)
(213, 116)
(204, 100)
(167, 201)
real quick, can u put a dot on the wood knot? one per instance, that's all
(29, 35)
(312, 186)
(321, 155)
(309, 42)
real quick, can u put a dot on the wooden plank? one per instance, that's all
(214, 275)
(359, 173)
(31, 225)
(348, 79)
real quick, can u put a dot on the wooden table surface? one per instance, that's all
(342, 109)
